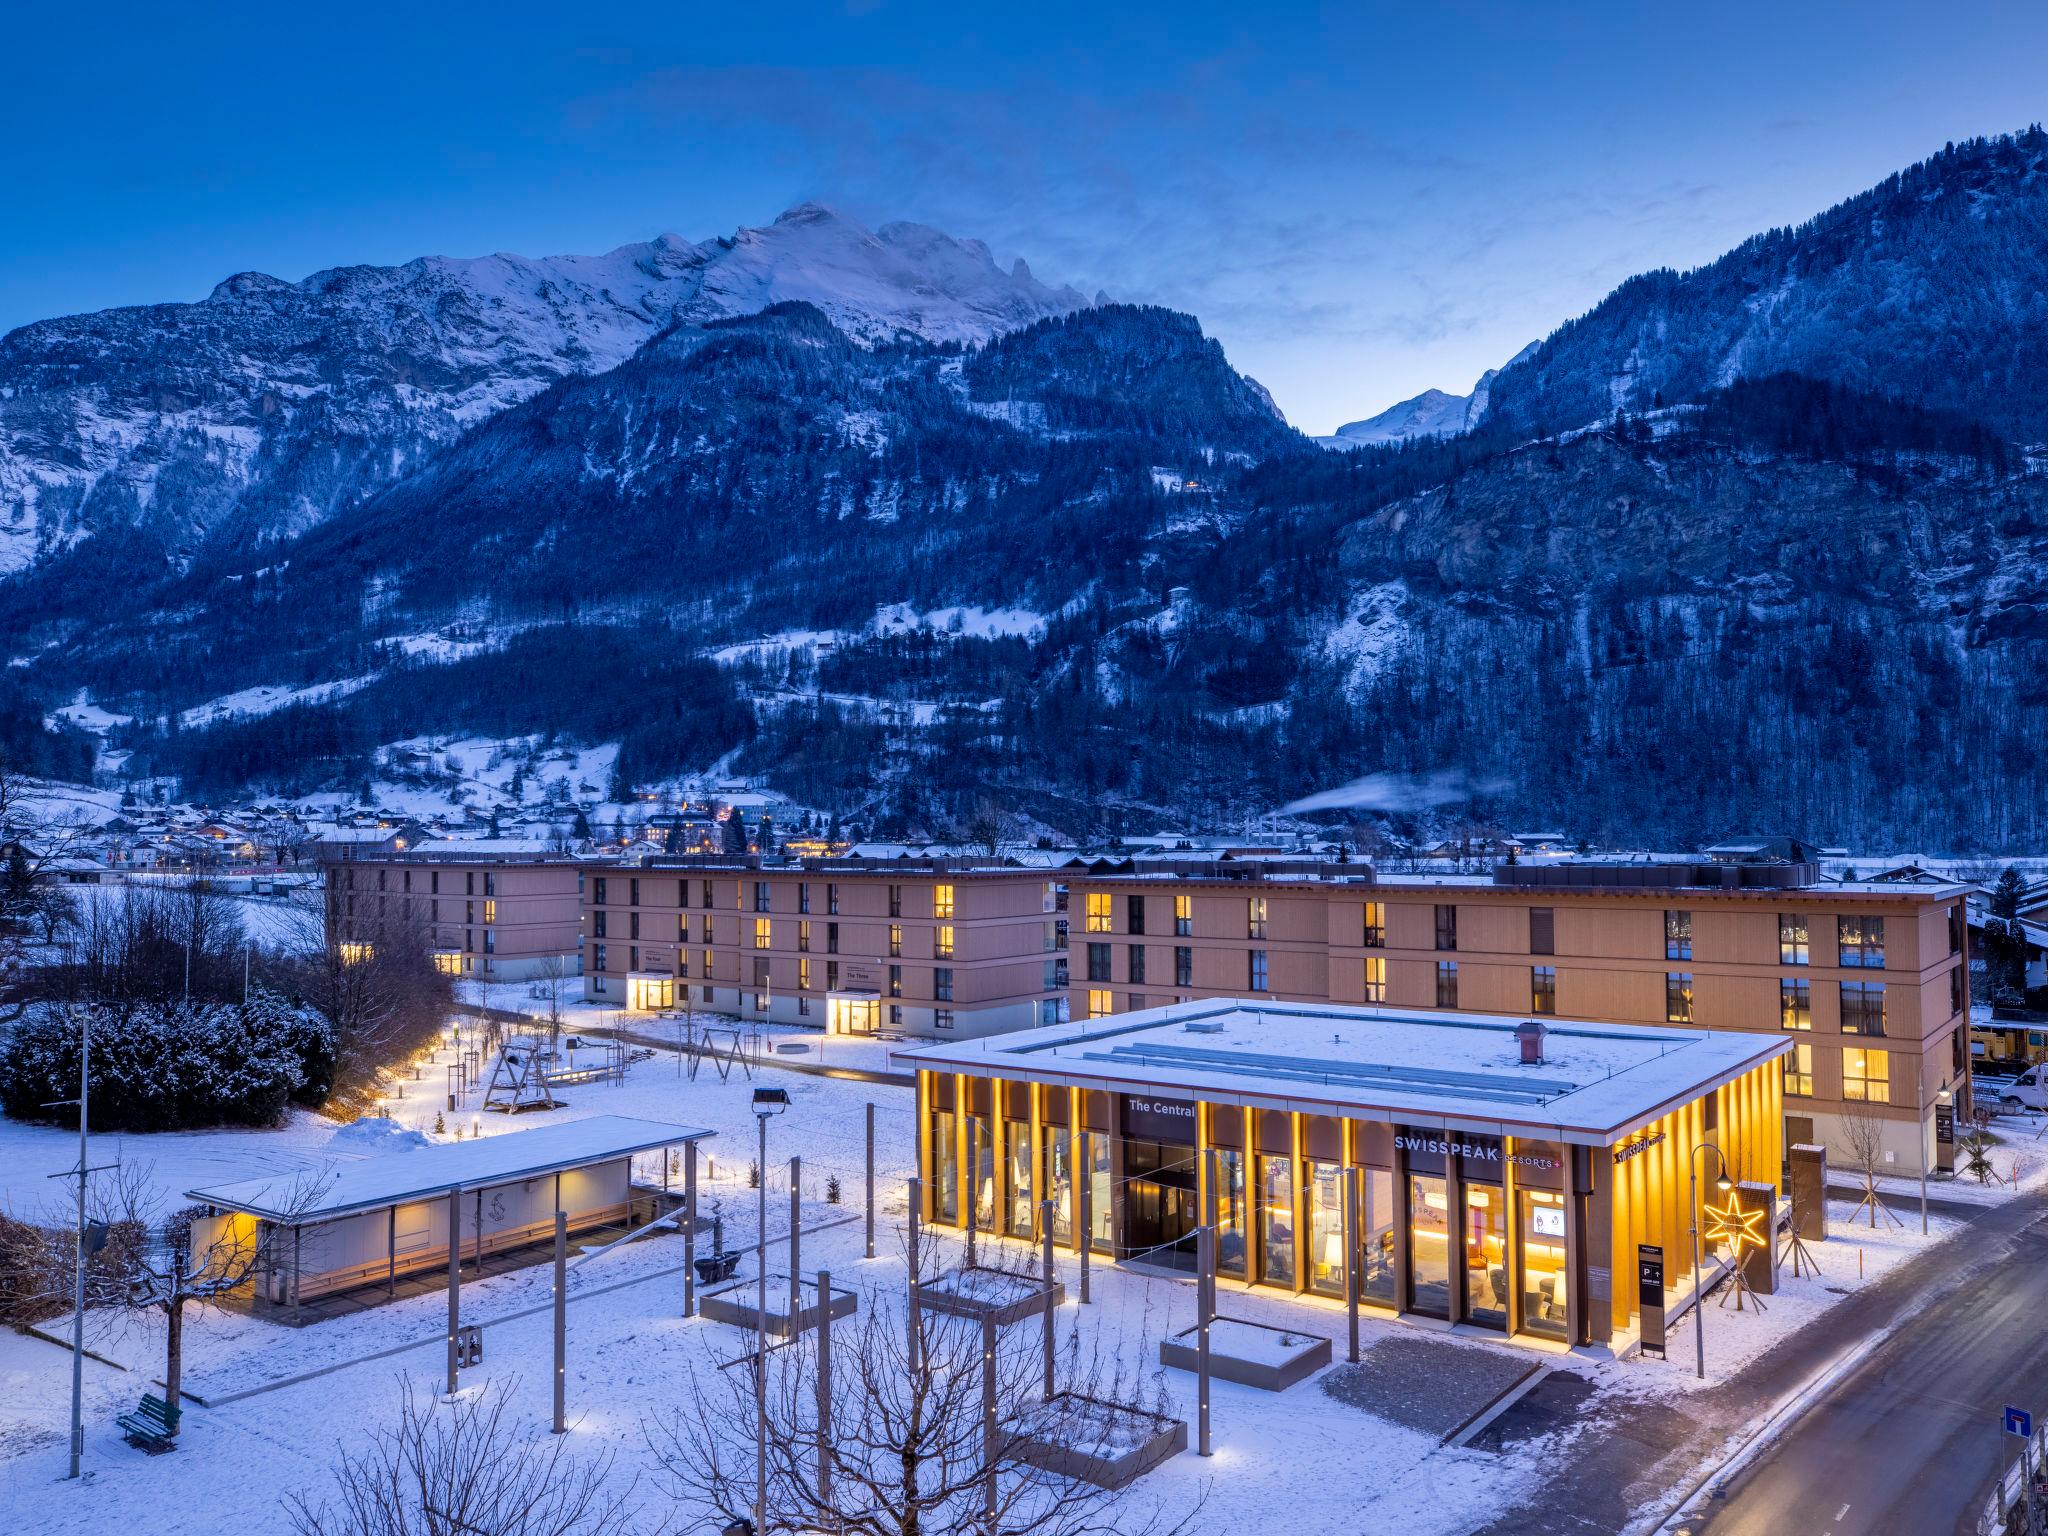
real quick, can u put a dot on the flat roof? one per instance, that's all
(1597, 1083)
(315, 1195)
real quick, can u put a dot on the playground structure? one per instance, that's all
(532, 1066)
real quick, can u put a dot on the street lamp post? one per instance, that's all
(767, 1102)
(1699, 1295)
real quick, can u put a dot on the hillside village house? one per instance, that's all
(1866, 981)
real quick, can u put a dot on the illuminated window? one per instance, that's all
(1184, 917)
(1255, 917)
(1099, 920)
(1677, 935)
(1862, 942)
(490, 911)
(803, 937)
(1375, 978)
(896, 938)
(1678, 997)
(1795, 1002)
(942, 942)
(761, 932)
(705, 955)
(1799, 1072)
(1099, 1005)
(1866, 1075)
(1375, 925)
(1792, 945)
(1543, 989)
(682, 928)
(803, 974)
(942, 902)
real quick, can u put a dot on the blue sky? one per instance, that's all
(1361, 201)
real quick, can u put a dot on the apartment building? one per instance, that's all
(928, 948)
(1869, 981)
(500, 909)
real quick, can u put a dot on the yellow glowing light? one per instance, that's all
(1738, 1226)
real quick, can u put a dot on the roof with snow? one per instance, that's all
(1597, 1083)
(367, 1184)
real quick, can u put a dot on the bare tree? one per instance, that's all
(34, 837)
(463, 1468)
(154, 1259)
(1862, 1145)
(385, 998)
(554, 973)
(908, 1452)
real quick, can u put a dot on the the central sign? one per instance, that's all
(1147, 1118)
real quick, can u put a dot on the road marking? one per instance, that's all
(1841, 1514)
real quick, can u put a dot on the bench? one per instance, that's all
(150, 1426)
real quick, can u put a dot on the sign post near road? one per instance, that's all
(1650, 1296)
(2020, 1424)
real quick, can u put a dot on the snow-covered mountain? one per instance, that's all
(1433, 413)
(269, 405)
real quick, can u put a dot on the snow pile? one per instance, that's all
(375, 1135)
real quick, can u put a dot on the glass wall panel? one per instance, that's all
(1276, 1221)
(1100, 1213)
(1059, 1181)
(1429, 1246)
(1326, 1228)
(982, 1149)
(1486, 1256)
(1231, 1252)
(1017, 1174)
(1376, 1237)
(1544, 1301)
(945, 1170)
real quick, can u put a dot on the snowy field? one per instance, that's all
(280, 1399)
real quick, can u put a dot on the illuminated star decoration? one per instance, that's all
(1738, 1226)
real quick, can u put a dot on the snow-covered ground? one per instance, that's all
(1331, 1466)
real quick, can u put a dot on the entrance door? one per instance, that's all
(1160, 1216)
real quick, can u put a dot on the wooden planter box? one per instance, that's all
(989, 1294)
(736, 1304)
(1250, 1354)
(1109, 1445)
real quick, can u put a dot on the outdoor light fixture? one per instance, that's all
(1724, 1183)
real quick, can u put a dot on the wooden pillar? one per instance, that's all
(1297, 1164)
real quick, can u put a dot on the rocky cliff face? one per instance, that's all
(269, 406)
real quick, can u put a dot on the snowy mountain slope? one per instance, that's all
(269, 405)
(1931, 286)
(1433, 413)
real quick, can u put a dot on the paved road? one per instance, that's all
(1910, 1441)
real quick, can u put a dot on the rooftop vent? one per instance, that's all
(1204, 1026)
(1530, 1034)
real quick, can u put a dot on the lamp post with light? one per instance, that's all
(767, 1102)
(1699, 1294)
